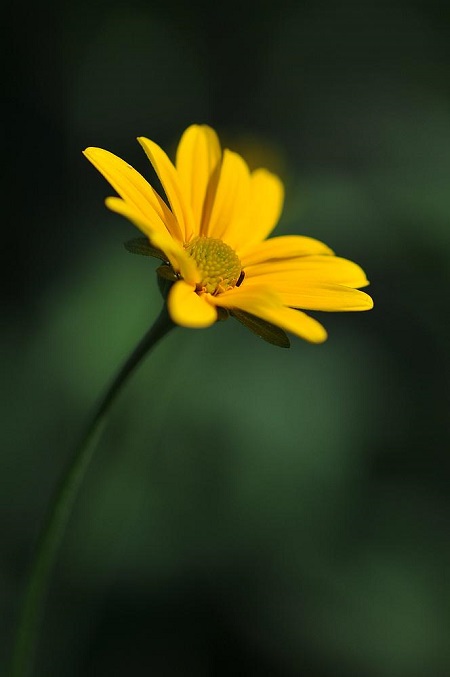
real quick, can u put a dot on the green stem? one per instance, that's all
(53, 529)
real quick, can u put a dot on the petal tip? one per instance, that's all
(88, 152)
(366, 301)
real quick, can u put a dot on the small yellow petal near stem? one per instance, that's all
(189, 309)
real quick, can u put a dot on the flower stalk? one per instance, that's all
(52, 532)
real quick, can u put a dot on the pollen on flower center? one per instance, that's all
(218, 264)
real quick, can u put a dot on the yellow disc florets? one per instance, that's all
(217, 262)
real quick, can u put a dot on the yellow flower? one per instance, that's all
(212, 234)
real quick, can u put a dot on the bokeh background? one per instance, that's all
(249, 510)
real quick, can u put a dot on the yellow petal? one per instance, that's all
(283, 247)
(176, 254)
(198, 157)
(327, 297)
(188, 309)
(307, 269)
(149, 223)
(266, 204)
(132, 187)
(168, 176)
(295, 322)
(241, 297)
(264, 303)
(231, 202)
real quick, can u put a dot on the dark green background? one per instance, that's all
(250, 510)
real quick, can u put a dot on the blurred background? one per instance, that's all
(249, 510)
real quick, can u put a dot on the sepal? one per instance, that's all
(268, 332)
(141, 245)
(167, 273)
(222, 314)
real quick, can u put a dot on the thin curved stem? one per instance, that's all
(53, 528)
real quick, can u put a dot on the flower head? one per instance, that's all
(211, 235)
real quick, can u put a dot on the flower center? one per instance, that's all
(218, 264)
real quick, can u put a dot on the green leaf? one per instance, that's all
(141, 245)
(269, 332)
